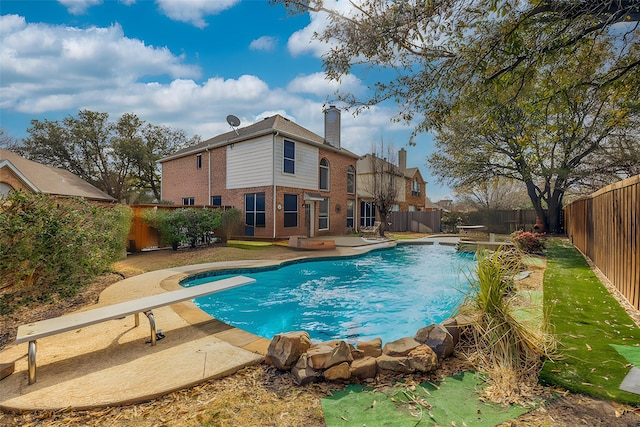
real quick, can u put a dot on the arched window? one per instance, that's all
(324, 175)
(5, 189)
(351, 180)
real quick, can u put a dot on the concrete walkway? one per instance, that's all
(111, 364)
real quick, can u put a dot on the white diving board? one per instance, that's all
(44, 328)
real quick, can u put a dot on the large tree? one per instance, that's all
(452, 57)
(556, 134)
(120, 158)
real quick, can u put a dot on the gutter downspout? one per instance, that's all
(273, 178)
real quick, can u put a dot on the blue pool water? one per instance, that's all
(388, 294)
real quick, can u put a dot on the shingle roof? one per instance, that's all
(266, 126)
(50, 180)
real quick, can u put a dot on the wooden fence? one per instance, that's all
(417, 222)
(606, 228)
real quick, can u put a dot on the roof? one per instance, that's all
(270, 125)
(49, 180)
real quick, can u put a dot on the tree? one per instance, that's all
(436, 48)
(7, 141)
(496, 193)
(119, 158)
(550, 146)
(381, 180)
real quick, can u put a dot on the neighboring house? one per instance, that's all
(18, 173)
(287, 180)
(411, 188)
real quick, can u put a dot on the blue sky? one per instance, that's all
(182, 63)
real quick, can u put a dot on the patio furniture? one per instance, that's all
(371, 230)
(44, 328)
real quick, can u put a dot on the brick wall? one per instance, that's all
(10, 178)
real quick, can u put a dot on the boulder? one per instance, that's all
(423, 359)
(338, 372)
(323, 356)
(393, 364)
(303, 373)
(400, 347)
(364, 368)
(438, 338)
(453, 329)
(371, 348)
(285, 349)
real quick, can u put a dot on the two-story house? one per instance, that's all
(405, 185)
(287, 180)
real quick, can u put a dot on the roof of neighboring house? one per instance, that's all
(269, 125)
(49, 180)
(430, 205)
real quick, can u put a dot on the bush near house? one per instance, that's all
(190, 225)
(53, 247)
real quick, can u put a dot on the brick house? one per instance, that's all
(18, 173)
(287, 180)
(411, 187)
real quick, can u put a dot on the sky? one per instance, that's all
(187, 64)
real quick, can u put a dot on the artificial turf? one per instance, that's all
(586, 321)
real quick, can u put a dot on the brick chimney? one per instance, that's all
(402, 160)
(332, 126)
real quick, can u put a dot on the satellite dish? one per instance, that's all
(233, 121)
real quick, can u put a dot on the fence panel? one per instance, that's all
(606, 228)
(417, 222)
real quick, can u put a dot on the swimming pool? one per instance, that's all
(386, 293)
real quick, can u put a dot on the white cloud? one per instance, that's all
(302, 41)
(193, 11)
(318, 84)
(265, 43)
(48, 64)
(78, 7)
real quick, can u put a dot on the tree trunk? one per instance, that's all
(555, 207)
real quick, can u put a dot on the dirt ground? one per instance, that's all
(260, 395)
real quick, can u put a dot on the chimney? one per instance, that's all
(332, 126)
(402, 160)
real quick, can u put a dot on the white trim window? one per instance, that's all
(351, 209)
(323, 215)
(290, 210)
(188, 201)
(351, 180)
(324, 175)
(289, 157)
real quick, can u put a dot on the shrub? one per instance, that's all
(528, 242)
(53, 247)
(231, 222)
(499, 346)
(184, 225)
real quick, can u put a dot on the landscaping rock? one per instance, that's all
(326, 355)
(303, 373)
(391, 364)
(371, 348)
(438, 338)
(338, 372)
(285, 349)
(452, 327)
(364, 368)
(423, 359)
(358, 354)
(400, 347)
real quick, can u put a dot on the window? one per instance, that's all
(324, 174)
(216, 200)
(415, 188)
(188, 201)
(367, 214)
(323, 215)
(289, 165)
(290, 210)
(254, 210)
(351, 207)
(199, 161)
(351, 180)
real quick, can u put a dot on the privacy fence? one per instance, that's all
(417, 222)
(606, 227)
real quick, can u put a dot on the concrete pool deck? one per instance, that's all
(109, 364)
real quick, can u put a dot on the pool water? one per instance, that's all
(387, 293)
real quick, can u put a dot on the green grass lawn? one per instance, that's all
(586, 319)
